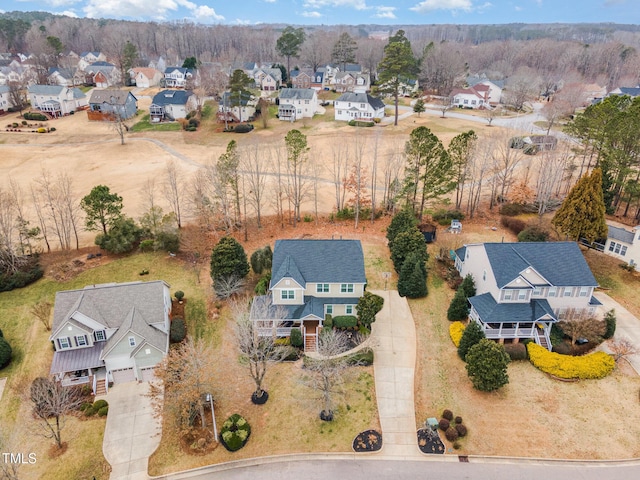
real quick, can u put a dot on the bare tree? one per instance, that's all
(338, 169)
(258, 345)
(552, 169)
(255, 162)
(39, 206)
(17, 95)
(356, 182)
(521, 88)
(622, 349)
(589, 328)
(445, 105)
(505, 162)
(490, 113)
(51, 403)
(297, 164)
(42, 311)
(392, 170)
(69, 204)
(228, 286)
(118, 124)
(478, 168)
(173, 187)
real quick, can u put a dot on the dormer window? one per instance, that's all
(81, 340)
(64, 342)
(99, 335)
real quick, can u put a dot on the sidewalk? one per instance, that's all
(394, 343)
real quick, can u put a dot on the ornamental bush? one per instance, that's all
(459, 306)
(103, 411)
(5, 353)
(451, 434)
(456, 329)
(516, 351)
(487, 365)
(472, 334)
(98, 404)
(177, 331)
(296, 337)
(345, 321)
(448, 414)
(610, 321)
(444, 424)
(461, 429)
(593, 365)
(235, 432)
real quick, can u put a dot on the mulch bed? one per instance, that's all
(367, 441)
(177, 309)
(429, 441)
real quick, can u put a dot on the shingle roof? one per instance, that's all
(110, 96)
(45, 89)
(77, 93)
(631, 91)
(333, 261)
(172, 97)
(77, 359)
(63, 72)
(492, 312)
(296, 94)
(375, 103)
(136, 322)
(561, 263)
(620, 234)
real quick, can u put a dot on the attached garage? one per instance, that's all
(148, 374)
(123, 375)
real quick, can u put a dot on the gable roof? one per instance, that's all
(325, 261)
(183, 71)
(110, 96)
(146, 71)
(631, 91)
(296, 94)
(172, 97)
(490, 311)
(46, 89)
(135, 322)
(66, 73)
(561, 263)
(375, 102)
(474, 91)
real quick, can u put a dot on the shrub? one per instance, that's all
(444, 424)
(472, 334)
(514, 225)
(263, 284)
(458, 420)
(98, 404)
(368, 307)
(461, 429)
(296, 337)
(412, 278)
(516, 142)
(593, 365)
(5, 353)
(235, 432)
(42, 130)
(194, 122)
(345, 321)
(451, 434)
(468, 285)
(84, 406)
(146, 245)
(103, 412)
(328, 321)
(351, 123)
(89, 411)
(444, 217)
(512, 209)
(177, 331)
(610, 321)
(487, 365)
(308, 218)
(364, 358)
(24, 122)
(179, 295)
(456, 329)
(448, 414)
(533, 234)
(516, 351)
(459, 306)
(243, 128)
(52, 129)
(34, 116)
(29, 273)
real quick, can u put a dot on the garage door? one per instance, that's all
(123, 375)
(148, 374)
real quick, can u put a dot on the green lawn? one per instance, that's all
(145, 125)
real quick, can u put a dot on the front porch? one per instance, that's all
(81, 366)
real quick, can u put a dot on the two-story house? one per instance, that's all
(312, 279)
(351, 82)
(317, 80)
(522, 289)
(300, 79)
(268, 79)
(110, 333)
(177, 77)
(172, 104)
(358, 106)
(623, 244)
(237, 107)
(112, 105)
(296, 103)
(145, 77)
(5, 98)
(56, 100)
(103, 74)
(87, 58)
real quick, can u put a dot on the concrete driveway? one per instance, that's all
(627, 326)
(132, 433)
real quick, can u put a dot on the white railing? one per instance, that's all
(278, 332)
(509, 332)
(95, 384)
(68, 381)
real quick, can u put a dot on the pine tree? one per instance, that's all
(487, 365)
(412, 282)
(406, 243)
(402, 221)
(582, 214)
(469, 286)
(459, 306)
(472, 335)
(418, 107)
(228, 260)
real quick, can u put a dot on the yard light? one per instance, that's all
(213, 417)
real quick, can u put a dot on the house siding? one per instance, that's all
(123, 347)
(71, 331)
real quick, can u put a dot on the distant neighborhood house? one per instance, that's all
(358, 106)
(56, 100)
(624, 244)
(297, 103)
(112, 105)
(177, 77)
(172, 105)
(145, 77)
(472, 97)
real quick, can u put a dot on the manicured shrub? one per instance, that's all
(89, 411)
(459, 306)
(468, 286)
(296, 337)
(368, 307)
(243, 128)
(345, 321)
(514, 225)
(451, 434)
(42, 130)
(472, 334)
(593, 365)
(516, 351)
(103, 411)
(461, 429)
(5, 353)
(84, 406)
(533, 234)
(179, 295)
(456, 329)
(363, 358)
(444, 424)
(487, 365)
(448, 414)
(178, 330)
(458, 420)
(412, 281)
(235, 432)
(146, 245)
(610, 321)
(98, 404)
(328, 321)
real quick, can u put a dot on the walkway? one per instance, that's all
(394, 342)
(132, 433)
(627, 326)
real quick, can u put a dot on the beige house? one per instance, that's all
(145, 77)
(110, 333)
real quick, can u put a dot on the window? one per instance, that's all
(553, 291)
(584, 291)
(466, 102)
(473, 102)
(348, 309)
(508, 294)
(81, 340)
(328, 309)
(346, 288)
(99, 335)
(64, 342)
(322, 288)
(537, 292)
(567, 291)
(287, 294)
(522, 294)
(132, 341)
(623, 251)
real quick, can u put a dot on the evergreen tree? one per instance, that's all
(228, 260)
(412, 281)
(5, 352)
(122, 237)
(368, 307)
(487, 365)
(469, 286)
(191, 63)
(405, 243)
(582, 214)
(102, 208)
(419, 107)
(461, 150)
(344, 50)
(472, 335)
(402, 221)
(289, 43)
(459, 306)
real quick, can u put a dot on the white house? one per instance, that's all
(522, 289)
(495, 87)
(624, 244)
(110, 333)
(5, 98)
(297, 103)
(268, 79)
(56, 99)
(472, 97)
(358, 106)
(177, 77)
(172, 104)
(87, 58)
(238, 107)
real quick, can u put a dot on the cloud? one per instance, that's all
(453, 5)
(69, 13)
(316, 4)
(158, 9)
(239, 21)
(311, 14)
(385, 12)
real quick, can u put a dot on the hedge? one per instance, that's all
(345, 321)
(593, 365)
(456, 329)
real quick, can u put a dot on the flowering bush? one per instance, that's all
(593, 365)
(456, 329)
(235, 432)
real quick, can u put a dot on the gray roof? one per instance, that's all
(124, 306)
(316, 261)
(4, 88)
(492, 312)
(110, 96)
(296, 94)
(631, 91)
(172, 97)
(77, 359)
(77, 93)
(46, 89)
(620, 234)
(375, 102)
(64, 72)
(561, 263)
(461, 253)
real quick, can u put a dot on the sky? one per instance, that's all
(350, 12)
